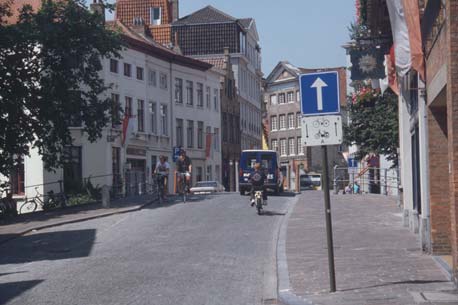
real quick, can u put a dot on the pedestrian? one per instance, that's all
(356, 188)
(348, 189)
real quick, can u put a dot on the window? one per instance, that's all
(298, 119)
(190, 134)
(292, 146)
(115, 110)
(215, 99)
(189, 93)
(152, 81)
(273, 99)
(274, 145)
(153, 163)
(199, 174)
(200, 135)
(153, 114)
(113, 65)
(164, 120)
(283, 147)
(300, 146)
(116, 166)
(179, 131)
(273, 123)
(141, 115)
(208, 138)
(200, 95)
(128, 107)
(155, 15)
(73, 169)
(179, 90)
(127, 70)
(282, 121)
(298, 96)
(207, 97)
(17, 178)
(281, 98)
(217, 173)
(290, 97)
(139, 73)
(216, 140)
(163, 81)
(209, 173)
(291, 120)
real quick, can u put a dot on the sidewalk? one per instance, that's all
(23, 224)
(378, 262)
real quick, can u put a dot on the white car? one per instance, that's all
(207, 187)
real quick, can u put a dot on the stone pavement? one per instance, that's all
(17, 226)
(378, 262)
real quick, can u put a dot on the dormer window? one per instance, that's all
(155, 13)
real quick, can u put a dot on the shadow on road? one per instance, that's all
(48, 246)
(11, 290)
(272, 213)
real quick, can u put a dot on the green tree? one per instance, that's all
(373, 123)
(50, 63)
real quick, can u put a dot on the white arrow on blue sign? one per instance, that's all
(320, 93)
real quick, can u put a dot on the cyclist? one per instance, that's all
(163, 168)
(257, 179)
(184, 166)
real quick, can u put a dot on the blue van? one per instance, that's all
(269, 163)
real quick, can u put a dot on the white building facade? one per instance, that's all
(145, 85)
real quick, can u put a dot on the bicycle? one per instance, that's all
(160, 186)
(52, 202)
(183, 185)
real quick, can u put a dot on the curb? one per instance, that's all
(64, 222)
(285, 294)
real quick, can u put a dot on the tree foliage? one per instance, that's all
(373, 123)
(50, 63)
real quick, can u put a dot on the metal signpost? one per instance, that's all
(322, 126)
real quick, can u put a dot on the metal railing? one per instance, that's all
(371, 180)
(87, 191)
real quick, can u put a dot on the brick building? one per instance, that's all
(204, 35)
(429, 128)
(282, 100)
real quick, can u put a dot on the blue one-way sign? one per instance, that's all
(320, 93)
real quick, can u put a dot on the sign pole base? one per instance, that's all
(327, 205)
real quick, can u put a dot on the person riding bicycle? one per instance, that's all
(257, 179)
(184, 166)
(162, 169)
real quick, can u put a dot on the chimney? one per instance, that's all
(176, 45)
(174, 9)
(97, 7)
(138, 26)
(227, 57)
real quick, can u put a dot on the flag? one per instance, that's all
(392, 78)
(405, 26)
(127, 128)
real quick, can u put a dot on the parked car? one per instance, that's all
(310, 181)
(203, 187)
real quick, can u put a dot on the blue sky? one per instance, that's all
(307, 33)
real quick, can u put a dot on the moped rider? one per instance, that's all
(257, 179)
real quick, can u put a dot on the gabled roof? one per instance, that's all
(246, 22)
(280, 68)
(206, 15)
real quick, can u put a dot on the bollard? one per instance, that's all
(106, 196)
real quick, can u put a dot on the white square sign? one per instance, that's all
(321, 130)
